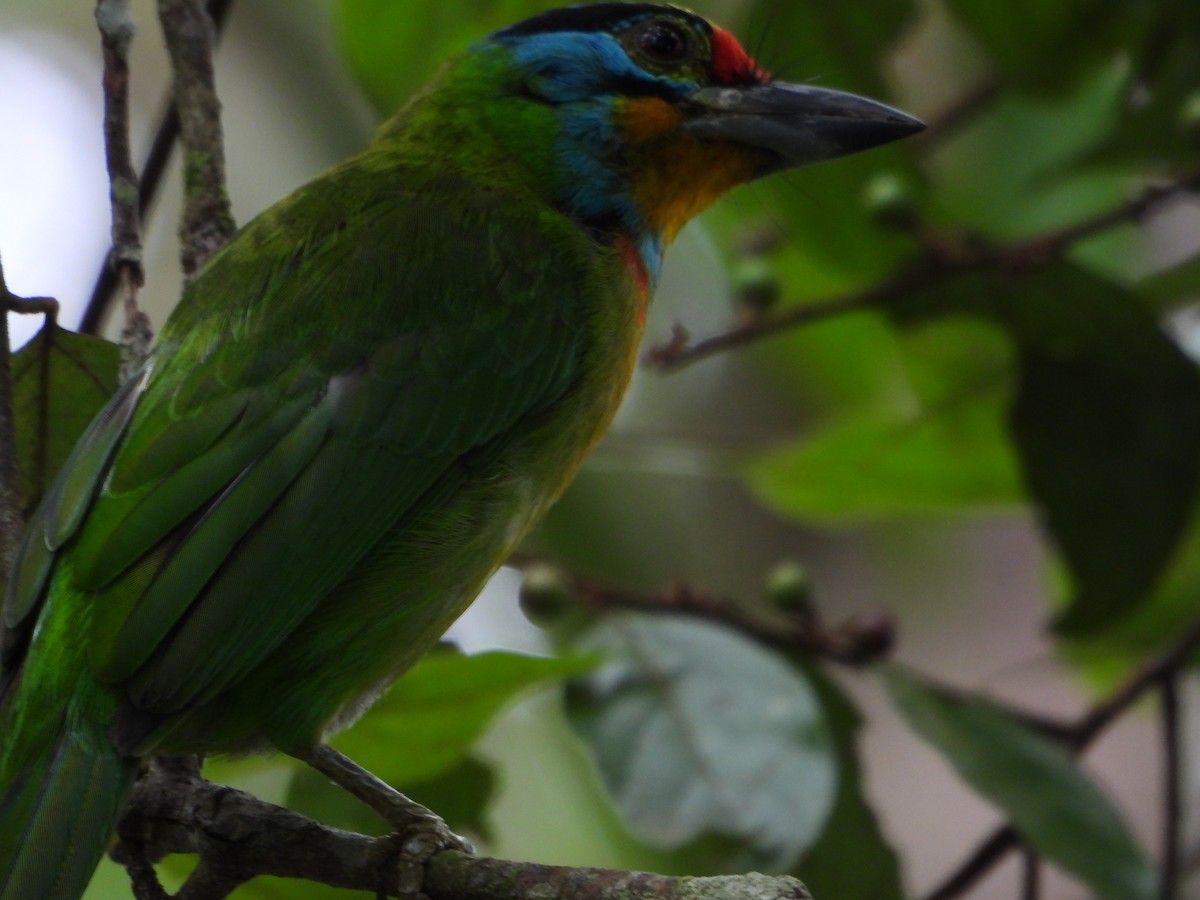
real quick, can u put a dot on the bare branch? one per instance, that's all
(1031, 874)
(207, 220)
(12, 523)
(116, 34)
(166, 133)
(1173, 768)
(678, 353)
(454, 876)
(863, 639)
(944, 257)
(1078, 737)
(239, 837)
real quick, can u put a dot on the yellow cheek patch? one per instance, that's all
(682, 176)
(646, 118)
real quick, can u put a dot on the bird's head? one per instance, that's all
(636, 116)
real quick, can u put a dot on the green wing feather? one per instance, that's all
(311, 397)
(59, 515)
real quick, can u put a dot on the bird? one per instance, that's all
(362, 403)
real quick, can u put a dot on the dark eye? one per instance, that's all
(663, 42)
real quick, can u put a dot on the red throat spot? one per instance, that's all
(731, 64)
(637, 268)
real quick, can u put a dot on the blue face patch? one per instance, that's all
(581, 77)
(567, 67)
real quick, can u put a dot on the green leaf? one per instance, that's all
(846, 366)
(943, 447)
(851, 860)
(1108, 656)
(883, 465)
(1168, 287)
(392, 51)
(1044, 45)
(699, 731)
(1047, 797)
(841, 44)
(428, 722)
(1015, 171)
(1106, 421)
(60, 381)
(1152, 129)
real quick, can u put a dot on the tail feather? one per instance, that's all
(60, 799)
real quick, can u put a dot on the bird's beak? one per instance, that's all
(795, 124)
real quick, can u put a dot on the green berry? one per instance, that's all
(891, 200)
(545, 595)
(1189, 118)
(788, 587)
(756, 284)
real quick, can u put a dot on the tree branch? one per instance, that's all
(116, 34)
(944, 257)
(166, 133)
(207, 219)
(863, 639)
(1078, 737)
(455, 876)
(868, 639)
(1173, 768)
(678, 351)
(12, 523)
(239, 837)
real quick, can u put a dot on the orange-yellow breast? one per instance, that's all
(676, 175)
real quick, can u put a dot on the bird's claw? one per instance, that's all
(421, 839)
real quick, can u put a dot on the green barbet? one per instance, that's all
(363, 403)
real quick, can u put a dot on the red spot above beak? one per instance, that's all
(733, 65)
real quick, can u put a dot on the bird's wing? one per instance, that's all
(282, 439)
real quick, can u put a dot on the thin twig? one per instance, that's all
(12, 523)
(1175, 659)
(993, 849)
(117, 28)
(1133, 211)
(1031, 874)
(1172, 786)
(207, 219)
(166, 133)
(116, 25)
(861, 640)
(1077, 737)
(674, 354)
(944, 258)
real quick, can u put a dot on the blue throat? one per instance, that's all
(580, 75)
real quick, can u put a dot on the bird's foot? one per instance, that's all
(420, 840)
(421, 832)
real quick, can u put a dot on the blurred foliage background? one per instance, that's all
(1000, 452)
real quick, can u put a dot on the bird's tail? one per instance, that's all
(62, 788)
